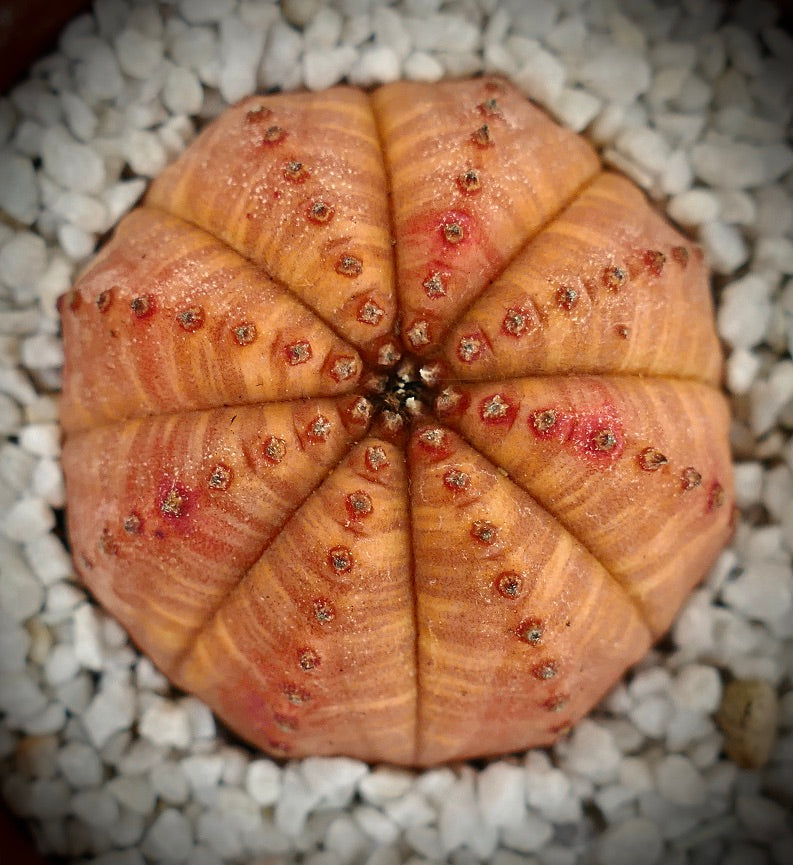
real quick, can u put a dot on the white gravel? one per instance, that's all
(103, 760)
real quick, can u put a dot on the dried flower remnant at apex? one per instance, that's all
(335, 474)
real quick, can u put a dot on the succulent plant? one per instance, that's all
(393, 423)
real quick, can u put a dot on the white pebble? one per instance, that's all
(82, 210)
(21, 594)
(27, 519)
(182, 92)
(49, 799)
(41, 439)
(500, 793)
(645, 147)
(111, 711)
(745, 311)
(618, 76)
(575, 108)
(170, 783)
(240, 53)
(736, 207)
(443, 32)
(764, 591)
(42, 351)
(420, 66)
(774, 253)
(48, 558)
(200, 718)
(170, 837)
(568, 35)
(204, 11)
(14, 643)
(138, 55)
(528, 836)
(19, 194)
(203, 770)
(376, 825)
(75, 242)
(80, 117)
(145, 153)
(299, 12)
(390, 31)
(774, 211)
(324, 29)
(695, 95)
(652, 715)
(98, 76)
(61, 664)
(637, 841)
(80, 765)
(376, 65)
(133, 792)
(88, 644)
(10, 416)
(591, 752)
(322, 68)
(20, 697)
(742, 368)
(120, 197)
(680, 129)
(294, 803)
(71, 164)
(541, 77)
(536, 18)
(23, 260)
(724, 246)
(166, 723)
(96, 808)
(677, 175)
(281, 65)
(263, 781)
(736, 165)
(748, 478)
(679, 781)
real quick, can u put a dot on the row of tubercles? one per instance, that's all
(174, 500)
(469, 182)
(319, 210)
(507, 585)
(519, 321)
(339, 562)
(192, 319)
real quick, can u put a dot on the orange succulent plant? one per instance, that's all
(393, 425)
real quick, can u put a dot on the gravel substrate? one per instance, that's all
(109, 765)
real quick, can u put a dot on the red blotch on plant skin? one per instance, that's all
(449, 234)
(596, 435)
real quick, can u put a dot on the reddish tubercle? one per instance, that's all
(104, 299)
(434, 442)
(298, 352)
(498, 410)
(375, 458)
(144, 306)
(359, 505)
(595, 434)
(174, 499)
(340, 560)
(456, 480)
(509, 584)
